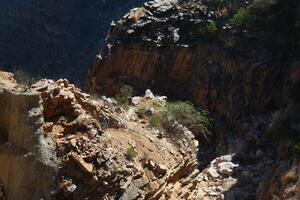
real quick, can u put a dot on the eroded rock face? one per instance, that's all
(147, 53)
(27, 159)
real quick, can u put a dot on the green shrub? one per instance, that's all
(189, 116)
(115, 170)
(122, 98)
(211, 27)
(131, 153)
(242, 17)
(155, 120)
(141, 112)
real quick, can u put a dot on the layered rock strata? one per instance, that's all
(166, 46)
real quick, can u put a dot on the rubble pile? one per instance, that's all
(105, 154)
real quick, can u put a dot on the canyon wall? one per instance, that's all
(168, 51)
(192, 52)
(55, 38)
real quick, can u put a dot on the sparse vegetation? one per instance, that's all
(211, 27)
(155, 120)
(123, 97)
(131, 154)
(189, 116)
(115, 169)
(242, 17)
(141, 112)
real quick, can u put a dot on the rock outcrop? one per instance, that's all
(27, 159)
(173, 48)
(166, 46)
(59, 143)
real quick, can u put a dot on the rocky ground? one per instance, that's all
(105, 152)
(101, 152)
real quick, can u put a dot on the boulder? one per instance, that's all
(84, 166)
(226, 168)
(212, 172)
(149, 94)
(161, 169)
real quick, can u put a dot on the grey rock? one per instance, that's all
(149, 94)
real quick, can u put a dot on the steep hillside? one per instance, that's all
(59, 143)
(234, 133)
(239, 59)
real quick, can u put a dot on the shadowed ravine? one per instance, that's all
(55, 38)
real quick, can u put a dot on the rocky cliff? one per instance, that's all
(168, 46)
(192, 50)
(27, 159)
(57, 142)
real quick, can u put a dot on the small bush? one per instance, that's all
(122, 98)
(131, 153)
(211, 27)
(242, 17)
(186, 114)
(155, 120)
(115, 169)
(141, 112)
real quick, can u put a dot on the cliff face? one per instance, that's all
(167, 51)
(27, 159)
(54, 38)
(191, 51)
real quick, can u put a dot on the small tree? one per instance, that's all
(131, 153)
(122, 98)
(141, 112)
(242, 17)
(211, 27)
(189, 116)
